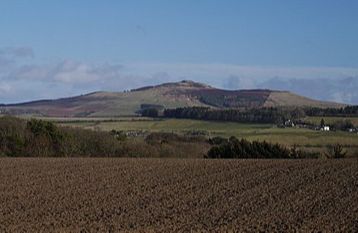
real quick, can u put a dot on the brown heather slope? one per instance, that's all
(178, 195)
(285, 98)
(168, 95)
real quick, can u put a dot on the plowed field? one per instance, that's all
(172, 195)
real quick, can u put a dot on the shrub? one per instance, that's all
(162, 137)
(235, 148)
(12, 136)
(335, 151)
(217, 140)
(150, 112)
(119, 135)
(45, 139)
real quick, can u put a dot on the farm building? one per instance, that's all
(325, 128)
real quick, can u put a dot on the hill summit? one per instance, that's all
(185, 84)
(166, 95)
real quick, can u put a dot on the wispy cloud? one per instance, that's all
(340, 90)
(4, 87)
(244, 71)
(5, 63)
(22, 82)
(9, 56)
(17, 52)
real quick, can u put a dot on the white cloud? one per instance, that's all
(225, 70)
(68, 71)
(4, 87)
(71, 72)
(341, 90)
(29, 72)
(70, 77)
(234, 82)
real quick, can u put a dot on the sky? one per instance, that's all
(51, 49)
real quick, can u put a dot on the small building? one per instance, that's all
(325, 128)
(352, 130)
(289, 123)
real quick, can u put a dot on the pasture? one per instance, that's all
(304, 138)
(331, 120)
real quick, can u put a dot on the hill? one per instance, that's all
(167, 95)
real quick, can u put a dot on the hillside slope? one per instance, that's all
(285, 98)
(168, 95)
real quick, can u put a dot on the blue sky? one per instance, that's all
(85, 45)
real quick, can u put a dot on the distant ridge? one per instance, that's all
(167, 95)
(184, 83)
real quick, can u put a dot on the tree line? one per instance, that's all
(348, 111)
(40, 138)
(233, 148)
(252, 115)
(275, 115)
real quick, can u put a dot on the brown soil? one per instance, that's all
(171, 195)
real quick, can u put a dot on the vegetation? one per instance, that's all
(262, 115)
(343, 125)
(322, 124)
(150, 112)
(348, 111)
(281, 116)
(164, 138)
(336, 152)
(336, 123)
(235, 148)
(161, 138)
(233, 99)
(38, 138)
(333, 121)
(252, 115)
(42, 138)
(303, 138)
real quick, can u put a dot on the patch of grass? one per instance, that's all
(331, 120)
(315, 140)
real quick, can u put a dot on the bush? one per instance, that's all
(343, 125)
(37, 138)
(150, 112)
(43, 138)
(234, 148)
(119, 135)
(12, 136)
(217, 140)
(297, 153)
(336, 152)
(162, 137)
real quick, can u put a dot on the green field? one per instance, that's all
(314, 140)
(331, 120)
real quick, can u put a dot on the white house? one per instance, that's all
(289, 123)
(325, 128)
